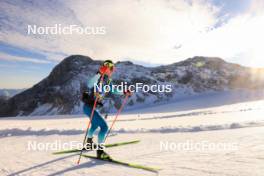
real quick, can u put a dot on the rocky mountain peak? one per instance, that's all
(60, 92)
(69, 67)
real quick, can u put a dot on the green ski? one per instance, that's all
(137, 166)
(107, 146)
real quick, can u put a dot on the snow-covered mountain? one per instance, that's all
(5, 94)
(9, 92)
(60, 92)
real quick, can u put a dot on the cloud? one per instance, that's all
(148, 31)
(7, 57)
(134, 28)
(239, 40)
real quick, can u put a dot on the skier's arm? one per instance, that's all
(115, 91)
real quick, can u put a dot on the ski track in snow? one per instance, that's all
(44, 132)
(240, 123)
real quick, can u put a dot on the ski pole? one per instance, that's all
(87, 129)
(89, 124)
(117, 114)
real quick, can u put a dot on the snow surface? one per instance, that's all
(240, 123)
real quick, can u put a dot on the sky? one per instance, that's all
(149, 32)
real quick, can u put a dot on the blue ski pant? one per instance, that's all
(97, 121)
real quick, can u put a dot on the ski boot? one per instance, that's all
(89, 145)
(101, 154)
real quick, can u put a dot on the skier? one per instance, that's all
(103, 77)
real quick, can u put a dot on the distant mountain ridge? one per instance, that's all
(10, 92)
(60, 92)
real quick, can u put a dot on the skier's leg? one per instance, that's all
(101, 136)
(103, 127)
(92, 130)
(94, 124)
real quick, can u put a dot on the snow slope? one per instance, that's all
(239, 124)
